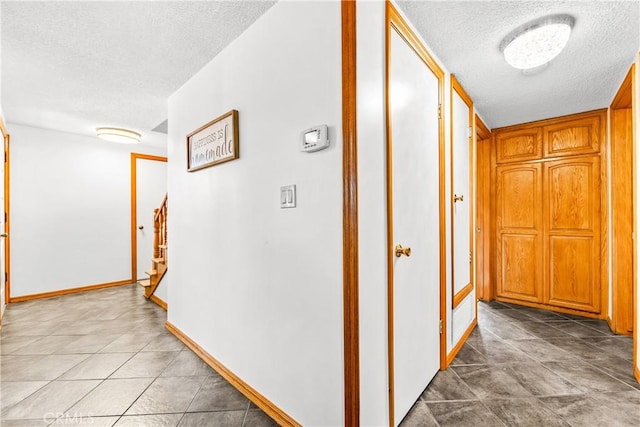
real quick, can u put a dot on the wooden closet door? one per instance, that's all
(572, 230)
(519, 231)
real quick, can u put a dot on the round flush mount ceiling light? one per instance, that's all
(537, 42)
(123, 136)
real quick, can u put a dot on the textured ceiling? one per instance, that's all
(72, 66)
(466, 35)
(75, 65)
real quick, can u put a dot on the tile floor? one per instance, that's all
(103, 358)
(529, 367)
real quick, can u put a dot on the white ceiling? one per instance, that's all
(72, 65)
(466, 35)
(76, 65)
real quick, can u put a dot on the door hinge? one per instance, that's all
(441, 326)
(6, 277)
(439, 111)
(470, 257)
(470, 131)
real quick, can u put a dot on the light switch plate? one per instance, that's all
(288, 196)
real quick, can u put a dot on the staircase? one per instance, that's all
(159, 261)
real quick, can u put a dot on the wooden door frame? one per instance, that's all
(622, 289)
(395, 22)
(134, 208)
(7, 256)
(484, 289)
(350, 257)
(455, 86)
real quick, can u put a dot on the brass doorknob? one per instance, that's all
(457, 198)
(4, 235)
(140, 227)
(402, 251)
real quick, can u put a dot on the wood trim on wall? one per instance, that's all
(350, 274)
(277, 414)
(159, 301)
(484, 290)
(623, 252)
(70, 291)
(463, 339)
(7, 210)
(134, 209)
(456, 87)
(394, 21)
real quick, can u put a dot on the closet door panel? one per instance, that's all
(519, 224)
(572, 230)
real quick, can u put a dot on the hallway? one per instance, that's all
(104, 358)
(528, 367)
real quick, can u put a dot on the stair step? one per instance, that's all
(144, 283)
(158, 260)
(162, 246)
(151, 272)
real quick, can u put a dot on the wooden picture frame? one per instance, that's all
(214, 143)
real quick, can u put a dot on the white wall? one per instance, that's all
(70, 210)
(372, 218)
(259, 287)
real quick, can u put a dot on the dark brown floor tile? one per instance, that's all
(528, 412)
(447, 386)
(457, 414)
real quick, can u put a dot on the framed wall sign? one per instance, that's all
(214, 143)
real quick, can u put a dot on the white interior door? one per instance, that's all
(151, 186)
(413, 102)
(461, 215)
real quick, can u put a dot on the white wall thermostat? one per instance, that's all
(315, 139)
